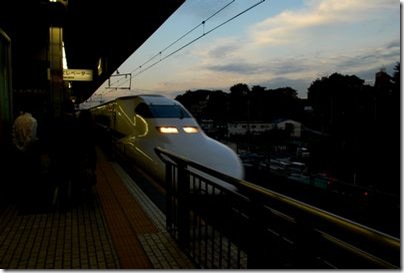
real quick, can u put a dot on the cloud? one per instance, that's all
(300, 70)
(223, 50)
(237, 67)
(313, 51)
(292, 48)
(289, 24)
(275, 67)
(371, 58)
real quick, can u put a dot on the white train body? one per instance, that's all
(144, 122)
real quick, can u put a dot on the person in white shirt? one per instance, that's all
(24, 131)
(26, 160)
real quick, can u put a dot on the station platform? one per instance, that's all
(116, 226)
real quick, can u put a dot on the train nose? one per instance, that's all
(214, 155)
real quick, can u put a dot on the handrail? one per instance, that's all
(351, 230)
(337, 220)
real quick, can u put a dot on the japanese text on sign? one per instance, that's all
(77, 75)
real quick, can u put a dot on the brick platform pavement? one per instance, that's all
(116, 227)
(76, 238)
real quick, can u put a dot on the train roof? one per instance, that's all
(150, 99)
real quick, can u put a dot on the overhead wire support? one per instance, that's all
(126, 75)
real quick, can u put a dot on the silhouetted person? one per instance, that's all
(27, 164)
(62, 154)
(86, 139)
(86, 152)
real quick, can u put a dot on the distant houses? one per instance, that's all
(243, 113)
(244, 128)
(292, 127)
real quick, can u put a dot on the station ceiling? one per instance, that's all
(92, 30)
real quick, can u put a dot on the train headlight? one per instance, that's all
(168, 130)
(190, 129)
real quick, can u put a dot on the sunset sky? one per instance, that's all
(274, 44)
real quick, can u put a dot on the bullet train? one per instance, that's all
(143, 122)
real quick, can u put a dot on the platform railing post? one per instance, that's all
(257, 256)
(183, 216)
(169, 196)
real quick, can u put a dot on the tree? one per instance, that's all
(217, 106)
(239, 102)
(284, 103)
(396, 79)
(239, 90)
(257, 89)
(333, 99)
(337, 101)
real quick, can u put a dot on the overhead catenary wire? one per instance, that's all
(184, 35)
(173, 43)
(192, 41)
(179, 39)
(199, 37)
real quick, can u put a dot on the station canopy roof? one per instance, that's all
(93, 31)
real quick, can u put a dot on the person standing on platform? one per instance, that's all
(24, 135)
(63, 149)
(86, 156)
(25, 130)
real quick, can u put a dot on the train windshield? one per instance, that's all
(161, 111)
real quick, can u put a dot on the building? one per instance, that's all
(244, 127)
(258, 128)
(292, 126)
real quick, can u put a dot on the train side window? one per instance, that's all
(143, 110)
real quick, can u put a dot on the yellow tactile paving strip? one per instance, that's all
(124, 216)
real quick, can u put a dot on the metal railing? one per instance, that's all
(254, 227)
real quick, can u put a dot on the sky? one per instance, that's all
(278, 43)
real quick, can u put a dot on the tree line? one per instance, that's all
(358, 124)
